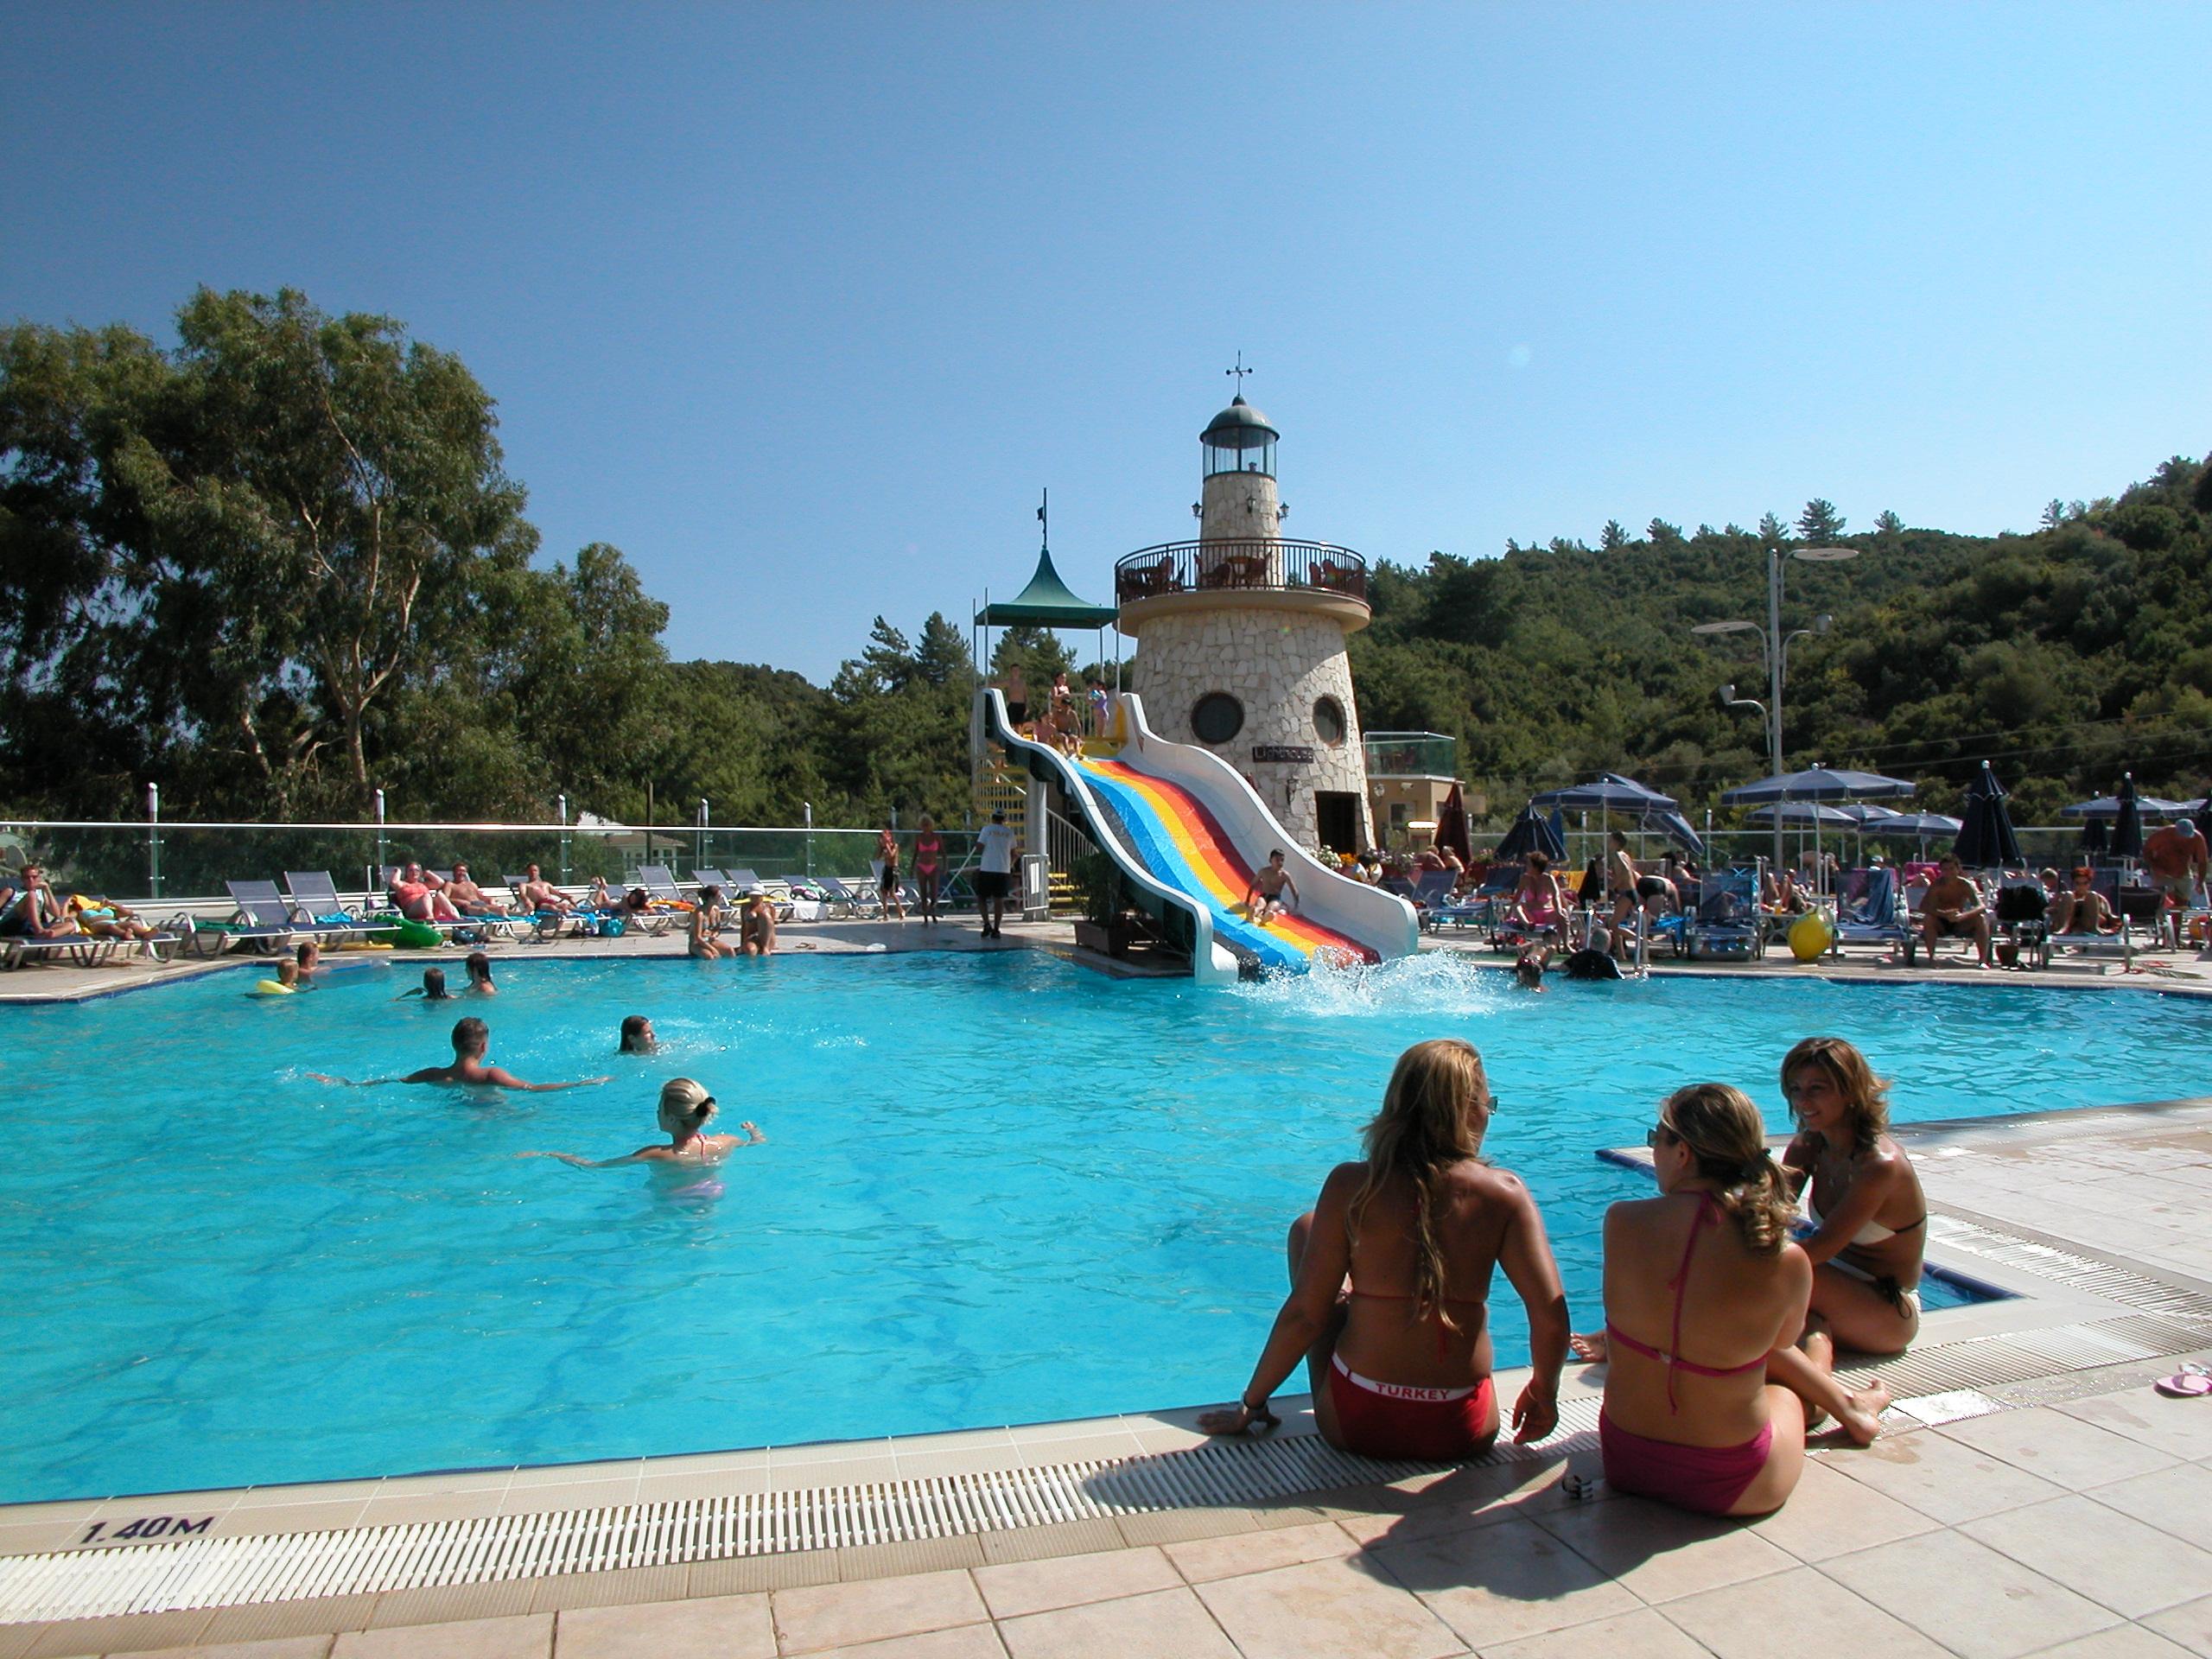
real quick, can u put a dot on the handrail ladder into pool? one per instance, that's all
(1187, 832)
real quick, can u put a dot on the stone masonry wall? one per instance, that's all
(1278, 663)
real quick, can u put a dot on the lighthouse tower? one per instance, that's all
(1240, 640)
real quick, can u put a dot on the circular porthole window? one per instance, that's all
(1217, 717)
(1329, 721)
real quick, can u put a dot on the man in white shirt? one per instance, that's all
(995, 872)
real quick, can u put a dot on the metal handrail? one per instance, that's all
(1258, 563)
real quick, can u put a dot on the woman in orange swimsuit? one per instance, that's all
(1703, 1290)
(1389, 1273)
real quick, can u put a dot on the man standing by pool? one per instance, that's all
(994, 872)
(2176, 859)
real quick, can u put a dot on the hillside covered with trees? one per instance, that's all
(279, 564)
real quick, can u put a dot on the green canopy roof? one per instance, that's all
(1047, 600)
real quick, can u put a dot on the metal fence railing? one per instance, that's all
(174, 863)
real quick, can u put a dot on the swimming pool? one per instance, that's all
(997, 1189)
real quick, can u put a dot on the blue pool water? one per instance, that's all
(997, 1189)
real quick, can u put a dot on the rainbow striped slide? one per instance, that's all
(1182, 845)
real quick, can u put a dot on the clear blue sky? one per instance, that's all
(801, 306)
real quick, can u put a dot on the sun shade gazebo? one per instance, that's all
(1047, 602)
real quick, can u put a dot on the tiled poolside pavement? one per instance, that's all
(2074, 1528)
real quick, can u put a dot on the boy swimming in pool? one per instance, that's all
(471, 1039)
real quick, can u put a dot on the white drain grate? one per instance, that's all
(214, 1571)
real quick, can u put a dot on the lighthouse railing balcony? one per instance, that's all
(1261, 562)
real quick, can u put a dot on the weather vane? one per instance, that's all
(1239, 372)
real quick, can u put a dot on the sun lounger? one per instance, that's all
(82, 950)
(1878, 916)
(2021, 915)
(840, 897)
(1725, 926)
(267, 922)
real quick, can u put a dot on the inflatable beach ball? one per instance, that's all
(1810, 935)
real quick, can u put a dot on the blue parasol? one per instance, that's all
(1676, 828)
(2107, 807)
(2127, 825)
(1819, 783)
(1986, 839)
(1607, 792)
(1530, 833)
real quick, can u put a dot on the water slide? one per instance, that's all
(1187, 831)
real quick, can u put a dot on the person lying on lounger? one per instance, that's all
(468, 898)
(685, 1109)
(413, 897)
(542, 895)
(30, 911)
(471, 1039)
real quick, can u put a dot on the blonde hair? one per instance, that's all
(1726, 1138)
(1433, 1115)
(1865, 1096)
(685, 1105)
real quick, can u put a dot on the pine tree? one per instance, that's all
(1820, 523)
(1889, 524)
(1613, 536)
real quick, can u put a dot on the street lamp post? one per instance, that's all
(1774, 646)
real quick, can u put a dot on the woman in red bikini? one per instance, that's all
(929, 868)
(1389, 1273)
(1703, 1286)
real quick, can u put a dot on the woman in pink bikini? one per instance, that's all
(1539, 903)
(1703, 1288)
(1389, 1273)
(929, 868)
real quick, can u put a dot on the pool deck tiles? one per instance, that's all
(2060, 1557)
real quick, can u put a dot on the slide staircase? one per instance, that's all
(1187, 832)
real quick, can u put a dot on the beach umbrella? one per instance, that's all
(1452, 826)
(1919, 827)
(2107, 807)
(1530, 833)
(1676, 828)
(1801, 813)
(2127, 825)
(1607, 792)
(1986, 838)
(1819, 784)
(1913, 826)
(2096, 836)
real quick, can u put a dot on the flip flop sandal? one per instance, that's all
(2188, 1382)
